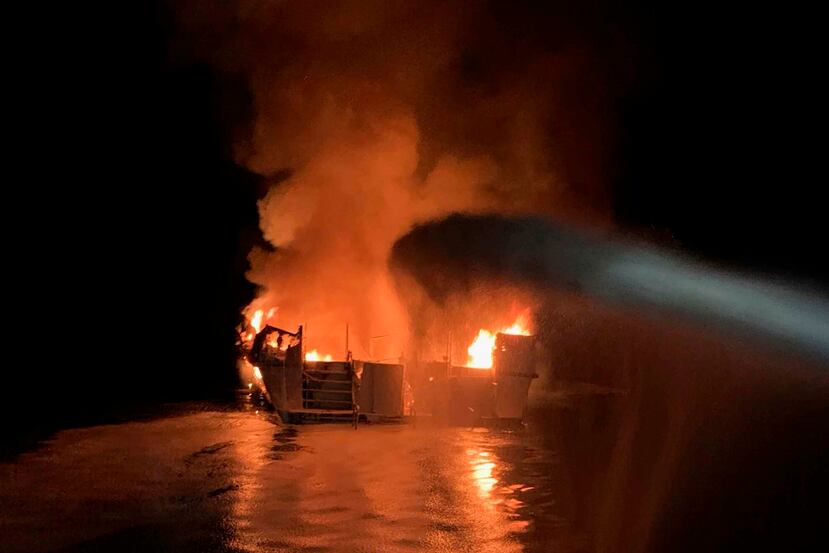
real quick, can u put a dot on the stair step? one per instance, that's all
(331, 373)
(327, 371)
(340, 402)
(318, 391)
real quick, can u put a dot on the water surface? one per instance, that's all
(238, 480)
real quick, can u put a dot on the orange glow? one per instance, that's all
(248, 370)
(256, 323)
(482, 466)
(480, 350)
(482, 474)
(314, 355)
(273, 341)
(256, 320)
(520, 327)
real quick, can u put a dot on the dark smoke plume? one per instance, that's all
(537, 252)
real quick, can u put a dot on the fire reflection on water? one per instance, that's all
(258, 485)
(482, 472)
(485, 468)
(384, 488)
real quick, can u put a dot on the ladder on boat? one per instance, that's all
(331, 389)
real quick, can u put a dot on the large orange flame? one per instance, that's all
(314, 355)
(480, 350)
(256, 320)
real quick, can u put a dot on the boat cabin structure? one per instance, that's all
(351, 390)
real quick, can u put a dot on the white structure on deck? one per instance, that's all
(325, 391)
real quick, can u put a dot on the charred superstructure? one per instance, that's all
(323, 391)
(305, 390)
(473, 396)
(513, 372)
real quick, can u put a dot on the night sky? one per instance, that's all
(135, 250)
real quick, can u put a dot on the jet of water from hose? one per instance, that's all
(541, 253)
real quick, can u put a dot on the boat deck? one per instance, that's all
(298, 416)
(304, 416)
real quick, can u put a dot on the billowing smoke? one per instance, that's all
(537, 253)
(386, 114)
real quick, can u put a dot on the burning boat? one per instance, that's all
(487, 391)
(306, 387)
(303, 387)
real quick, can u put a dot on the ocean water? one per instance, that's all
(666, 469)
(233, 478)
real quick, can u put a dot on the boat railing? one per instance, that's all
(355, 390)
(318, 385)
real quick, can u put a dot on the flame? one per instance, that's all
(249, 368)
(314, 355)
(273, 342)
(256, 320)
(256, 323)
(519, 327)
(480, 351)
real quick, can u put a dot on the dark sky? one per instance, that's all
(141, 221)
(719, 144)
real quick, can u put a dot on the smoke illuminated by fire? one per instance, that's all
(355, 144)
(480, 350)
